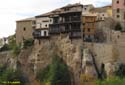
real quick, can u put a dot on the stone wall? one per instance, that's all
(24, 30)
(103, 52)
(119, 41)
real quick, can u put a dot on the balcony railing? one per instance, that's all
(64, 30)
(70, 20)
(37, 34)
(75, 30)
(75, 19)
(75, 35)
(54, 30)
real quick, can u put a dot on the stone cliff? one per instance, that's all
(72, 51)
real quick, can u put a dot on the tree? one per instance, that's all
(56, 73)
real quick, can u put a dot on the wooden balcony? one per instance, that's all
(54, 31)
(70, 20)
(65, 30)
(75, 35)
(75, 29)
(41, 37)
(37, 35)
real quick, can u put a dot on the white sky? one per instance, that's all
(12, 10)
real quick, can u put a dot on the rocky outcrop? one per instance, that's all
(72, 51)
(7, 58)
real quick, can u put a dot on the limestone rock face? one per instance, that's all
(88, 66)
(71, 54)
(42, 53)
(8, 58)
(110, 68)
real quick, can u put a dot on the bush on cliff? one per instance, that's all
(5, 48)
(28, 43)
(8, 76)
(56, 73)
(16, 50)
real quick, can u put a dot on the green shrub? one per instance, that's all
(5, 48)
(56, 73)
(16, 50)
(9, 75)
(28, 43)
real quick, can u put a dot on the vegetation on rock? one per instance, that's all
(7, 76)
(27, 43)
(56, 73)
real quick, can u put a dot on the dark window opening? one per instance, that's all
(45, 21)
(118, 16)
(45, 33)
(118, 10)
(118, 2)
(85, 8)
(46, 25)
(88, 29)
(24, 29)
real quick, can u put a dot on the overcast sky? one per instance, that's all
(12, 10)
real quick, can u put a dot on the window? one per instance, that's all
(46, 25)
(117, 2)
(45, 21)
(24, 29)
(118, 10)
(88, 29)
(118, 16)
(85, 8)
(45, 33)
